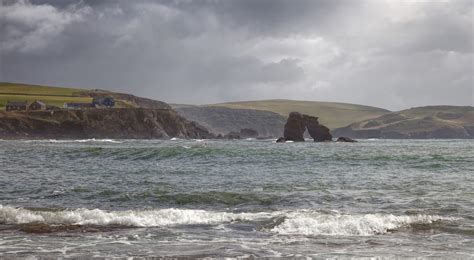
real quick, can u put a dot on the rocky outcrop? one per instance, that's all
(343, 139)
(232, 136)
(297, 124)
(131, 123)
(295, 127)
(281, 140)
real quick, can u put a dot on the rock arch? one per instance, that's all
(296, 125)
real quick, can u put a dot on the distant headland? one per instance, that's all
(38, 112)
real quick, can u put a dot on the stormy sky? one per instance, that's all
(386, 53)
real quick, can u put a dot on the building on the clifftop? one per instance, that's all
(103, 102)
(37, 105)
(78, 105)
(16, 105)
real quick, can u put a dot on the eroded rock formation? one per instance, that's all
(346, 140)
(296, 125)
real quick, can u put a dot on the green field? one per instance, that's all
(17, 88)
(55, 96)
(331, 114)
(48, 100)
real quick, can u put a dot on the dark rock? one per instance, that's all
(346, 139)
(281, 140)
(320, 133)
(295, 127)
(232, 135)
(297, 124)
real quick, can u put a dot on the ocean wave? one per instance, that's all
(91, 140)
(85, 141)
(301, 222)
(131, 218)
(314, 224)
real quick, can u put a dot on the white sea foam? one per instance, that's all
(311, 223)
(302, 222)
(146, 218)
(74, 141)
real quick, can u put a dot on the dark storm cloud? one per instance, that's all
(393, 54)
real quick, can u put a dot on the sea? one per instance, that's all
(103, 198)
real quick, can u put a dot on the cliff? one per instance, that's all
(131, 123)
(417, 123)
(221, 120)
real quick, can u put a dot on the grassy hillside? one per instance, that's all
(412, 118)
(419, 122)
(57, 96)
(18, 88)
(330, 114)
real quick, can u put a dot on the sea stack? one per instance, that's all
(296, 125)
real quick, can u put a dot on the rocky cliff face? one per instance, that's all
(221, 120)
(297, 124)
(133, 123)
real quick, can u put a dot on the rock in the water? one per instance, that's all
(346, 139)
(281, 140)
(232, 135)
(319, 133)
(295, 127)
(297, 124)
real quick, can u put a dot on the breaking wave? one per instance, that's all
(303, 222)
(84, 141)
(313, 224)
(145, 218)
(91, 140)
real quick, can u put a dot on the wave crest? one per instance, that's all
(312, 224)
(301, 222)
(145, 218)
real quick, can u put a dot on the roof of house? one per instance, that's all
(39, 102)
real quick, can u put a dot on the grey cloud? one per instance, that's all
(28, 27)
(368, 52)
